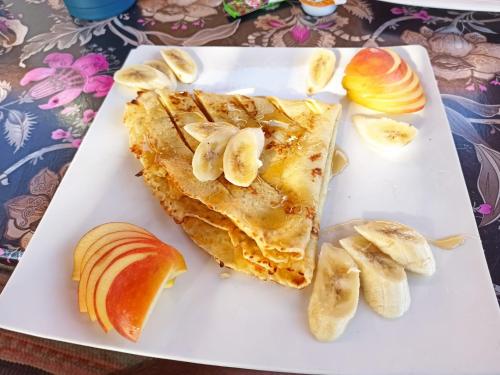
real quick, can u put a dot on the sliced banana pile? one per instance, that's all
(208, 157)
(177, 65)
(321, 69)
(224, 148)
(380, 251)
(384, 134)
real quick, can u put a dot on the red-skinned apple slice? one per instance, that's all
(105, 254)
(106, 280)
(96, 238)
(373, 62)
(128, 288)
(385, 85)
(399, 78)
(411, 87)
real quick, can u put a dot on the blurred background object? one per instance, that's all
(97, 9)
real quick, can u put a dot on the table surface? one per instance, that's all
(55, 72)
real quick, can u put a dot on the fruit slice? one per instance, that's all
(384, 282)
(388, 91)
(373, 62)
(163, 67)
(106, 280)
(108, 238)
(321, 69)
(202, 130)
(181, 63)
(129, 287)
(98, 262)
(384, 133)
(400, 108)
(402, 243)
(397, 80)
(335, 295)
(95, 234)
(407, 97)
(142, 77)
(208, 157)
(241, 160)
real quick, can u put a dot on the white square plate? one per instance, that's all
(452, 327)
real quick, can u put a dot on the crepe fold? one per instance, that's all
(269, 229)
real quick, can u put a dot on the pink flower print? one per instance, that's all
(485, 209)
(60, 134)
(253, 3)
(99, 85)
(199, 23)
(76, 143)
(88, 116)
(64, 80)
(398, 11)
(495, 83)
(471, 87)
(423, 15)
(300, 34)
(482, 88)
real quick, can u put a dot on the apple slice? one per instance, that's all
(388, 92)
(105, 254)
(95, 234)
(397, 79)
(401, 108)
(106, 280)
(373, 62)
(128, 288)
(111, 237)
(383, 90)
(404, 98)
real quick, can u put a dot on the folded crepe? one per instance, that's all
(269, 229)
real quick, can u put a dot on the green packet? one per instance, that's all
(238, 8)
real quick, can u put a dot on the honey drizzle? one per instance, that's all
(450, 242)
(339, 161)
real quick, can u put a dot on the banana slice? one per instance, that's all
(335, 294)
(208, 157)
(181, 63)
(402, 243)
(202, 130)
(384, 133)
(321, 69)
(142, 77)
(384, 282)
(242, 156)
(163, 67)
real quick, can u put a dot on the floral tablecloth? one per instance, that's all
(55, 72)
